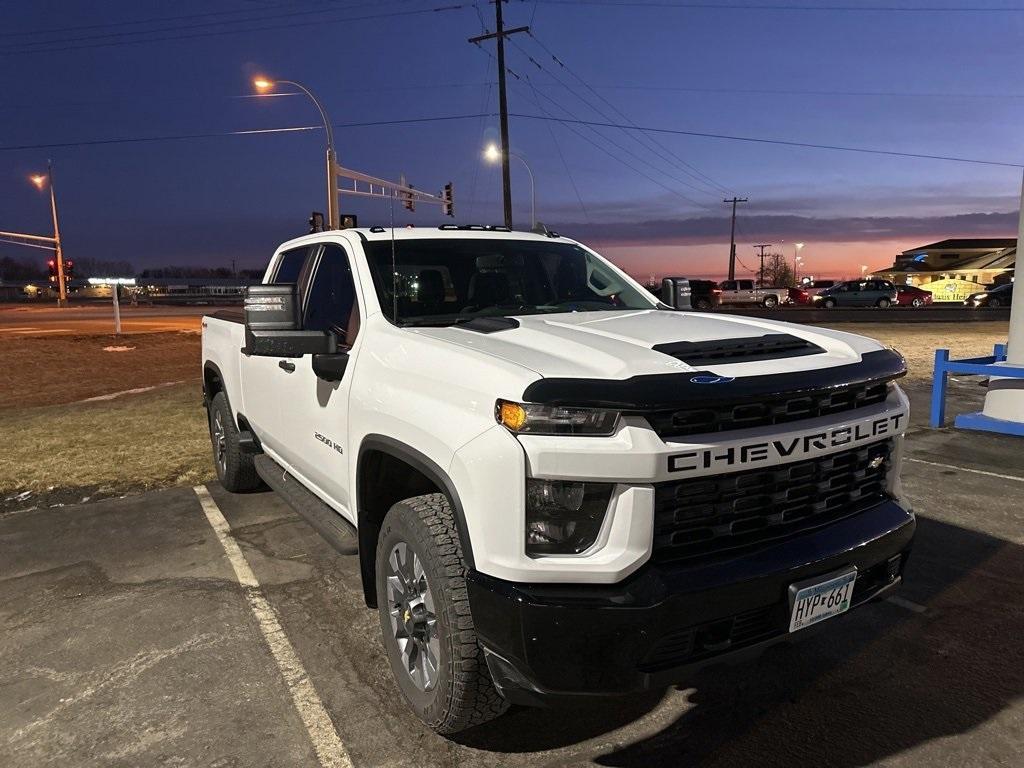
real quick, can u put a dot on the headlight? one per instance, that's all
(564, 517)
(533, 419)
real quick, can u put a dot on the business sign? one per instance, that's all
(951, 290)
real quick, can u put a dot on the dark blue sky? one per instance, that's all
(936, 82)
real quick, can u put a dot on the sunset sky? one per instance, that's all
(935, 82)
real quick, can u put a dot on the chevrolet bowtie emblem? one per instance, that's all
(876, 462)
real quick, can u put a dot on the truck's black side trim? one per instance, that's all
(336, 530)
(430, 469)
(668, 390)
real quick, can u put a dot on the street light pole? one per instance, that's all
(62, 288)
(796, 257)
(333, 213)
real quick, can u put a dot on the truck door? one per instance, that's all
(729, 292)
(315, 444)
(745, 292)
(264, 379)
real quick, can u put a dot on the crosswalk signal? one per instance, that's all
(448, 204)
(316, 222)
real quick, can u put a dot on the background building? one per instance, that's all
(955, 268)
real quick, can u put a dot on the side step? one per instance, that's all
(338, 532)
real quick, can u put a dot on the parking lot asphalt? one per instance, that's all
(127, 640)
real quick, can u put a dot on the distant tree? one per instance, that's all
(22, 269)
(183, 271)
(778, 271)
(89, 267)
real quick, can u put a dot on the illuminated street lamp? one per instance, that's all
(41, 180)
(493, 155)
(265, 86)
(796, 259)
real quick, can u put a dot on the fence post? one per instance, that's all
(938, 415)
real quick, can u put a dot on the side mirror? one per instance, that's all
(273, 325)
(330, 367)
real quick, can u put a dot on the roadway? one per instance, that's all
(128, 640)
(20, 320)
(87, 319)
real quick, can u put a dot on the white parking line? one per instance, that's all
(967, 469)
(329, 749)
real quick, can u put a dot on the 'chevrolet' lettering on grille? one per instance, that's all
(784, 448)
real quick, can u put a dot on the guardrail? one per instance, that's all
(973, 366)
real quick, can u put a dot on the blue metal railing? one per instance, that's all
(973, 366)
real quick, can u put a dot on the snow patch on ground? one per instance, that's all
(118, 349)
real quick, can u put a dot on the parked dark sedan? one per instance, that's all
(999, 296)
(912, 296)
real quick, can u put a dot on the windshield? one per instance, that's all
(447, 281)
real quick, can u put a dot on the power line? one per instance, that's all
(619, 146)
(791, 7)
(679, 162)
(181, 137)
(182, 17)
(784, 92)
(43, 48)
(785, 143)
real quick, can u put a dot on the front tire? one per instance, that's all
(883, 303)
(994, 303)
(829, 303)
(235, 469)
(425, 617)
(917, 303)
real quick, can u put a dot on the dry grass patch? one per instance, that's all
(36, 371)
(131, 443)
(918, 341)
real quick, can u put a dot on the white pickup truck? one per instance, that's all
(749, 293)
(556, 485)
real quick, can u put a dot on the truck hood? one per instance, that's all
(619, 345)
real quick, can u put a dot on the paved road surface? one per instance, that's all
(18, 320)
(128, 640)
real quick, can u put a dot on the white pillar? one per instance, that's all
(1005, 397)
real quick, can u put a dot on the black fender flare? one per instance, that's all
(430, 469)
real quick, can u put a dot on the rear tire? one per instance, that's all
(425, 617)
(883, 303)
(770, 302)
(703, 305)
(235, 469)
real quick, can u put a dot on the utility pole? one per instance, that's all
(732, 236)
(762, 246)
(499, 36)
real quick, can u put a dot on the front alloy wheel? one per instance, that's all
(413, 621)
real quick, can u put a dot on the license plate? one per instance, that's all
(820, 599)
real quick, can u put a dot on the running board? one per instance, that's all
(338, 532)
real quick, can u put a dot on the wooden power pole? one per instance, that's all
(499, 36)
(732, 237)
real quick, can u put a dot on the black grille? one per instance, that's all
(718, 516)
(777, 409)
(772, 346)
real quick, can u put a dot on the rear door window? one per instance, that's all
(289, 265)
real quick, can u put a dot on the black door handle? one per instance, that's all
(284, 365)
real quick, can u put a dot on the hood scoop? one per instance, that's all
(773, 346)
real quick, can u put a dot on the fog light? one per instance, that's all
(564, 517)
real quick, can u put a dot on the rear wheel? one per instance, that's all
(425, 617)
(883, 303)
(770, 302)
(235, 469)
(702, 304)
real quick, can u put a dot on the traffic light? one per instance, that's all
(51, 265)
(448, 206)
(316, 222)
(349, 221)
(69, 269)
